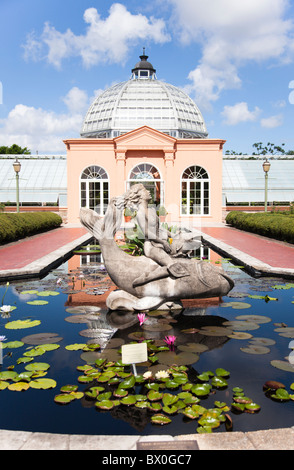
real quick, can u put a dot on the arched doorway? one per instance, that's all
(94, 189)
(150, 177)
(195, 196)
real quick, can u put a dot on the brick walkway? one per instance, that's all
(267, 250)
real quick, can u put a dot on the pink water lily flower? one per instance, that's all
(170, 341)
(142, 318)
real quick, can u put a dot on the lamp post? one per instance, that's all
(266, 167)
(17, 167)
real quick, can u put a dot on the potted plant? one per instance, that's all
(162, 212)
(128, 214)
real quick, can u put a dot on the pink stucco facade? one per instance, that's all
(169, 155)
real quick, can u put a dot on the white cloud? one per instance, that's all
(43, 130)
(272, 121)
(105, 40)
(239, 113)
(231, 33)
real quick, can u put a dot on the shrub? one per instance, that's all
(274, 225)
(15, 226)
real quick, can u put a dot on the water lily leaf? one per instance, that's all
(219, 382)
(128, 382)
(254, 318)
(64, 398)
(204, 429)
(43, 383)
(236, 305)
(37, 366)
(29, 292)
(215, 331)
(160, 419)
(190, 412)
(37, 302)
(201, 389)
(42, 338)
(46, 293)
(170, 410)
(209, 420)
(69, 388)
(3, 385)
(75, 347)
(281, 394)
(19, 386)
(287, 331)
(240, 335)
(262, 341)
(154, 395)
(171, 357)
(193, 347)
(252, 407)
(241, 325)
(129, 400)
(104, 396)
(19, 324)
(8, 375)
(12, 344)
(222, 372)
(26, 375)
(104, 404)
(154, 406)
(252, 349)
(169, 399)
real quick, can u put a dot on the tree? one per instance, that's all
(268, 149)
(14, 150)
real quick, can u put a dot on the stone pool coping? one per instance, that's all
(272, 439)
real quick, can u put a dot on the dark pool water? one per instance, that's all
(83, 280)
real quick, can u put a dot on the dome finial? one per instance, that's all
(143, 69)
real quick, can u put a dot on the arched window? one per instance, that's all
(195, 191)
(150, 177)
(94, 187)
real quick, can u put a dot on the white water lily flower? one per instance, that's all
(6, 308)
(162, 374)
(147, 375)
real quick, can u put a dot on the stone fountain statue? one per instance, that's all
(165, 273)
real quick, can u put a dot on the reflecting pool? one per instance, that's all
(247, 334)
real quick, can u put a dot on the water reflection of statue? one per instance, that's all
(164, 274)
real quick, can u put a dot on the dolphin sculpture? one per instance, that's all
(184, 278)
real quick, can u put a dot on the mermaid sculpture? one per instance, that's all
(164, 274)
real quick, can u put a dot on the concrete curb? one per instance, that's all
(273, 439)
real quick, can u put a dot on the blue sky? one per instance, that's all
(234, 58)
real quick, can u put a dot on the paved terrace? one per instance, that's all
(35, 255)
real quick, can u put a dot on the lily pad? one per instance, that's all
(8, 375)
(262, 341)
(43, 383)
(42, 338)
(215, 331)
(12, 345)
(19, 324)
(252, 349)
(241, 325)
(283, 365)
(160, 419)
(193, 347)
(240, 335)
(254, 318)
(19, 386)
(64, 398)
(29, 292)
(46, 293)
(104, 404)
(37, 302)
(236, 305)
(37, 366)
(183, 358)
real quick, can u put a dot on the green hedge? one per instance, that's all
(14, 226)
(274, 225)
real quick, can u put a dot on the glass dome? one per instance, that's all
(143, 101)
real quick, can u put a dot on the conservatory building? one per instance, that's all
(148, 131)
